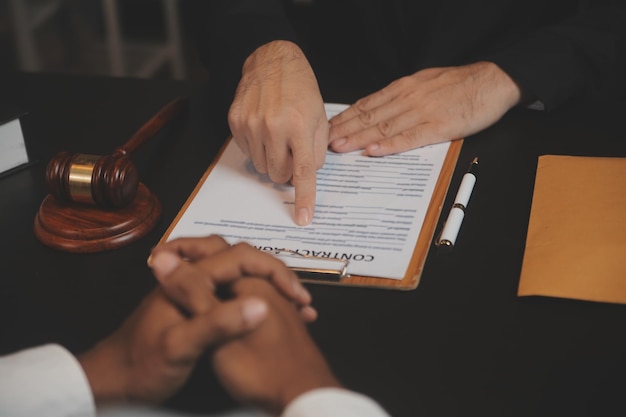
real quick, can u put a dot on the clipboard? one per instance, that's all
(322, 273)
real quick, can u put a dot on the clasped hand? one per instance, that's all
(153, 353)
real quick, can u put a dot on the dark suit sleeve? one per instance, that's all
(226, 32)
(583, 56)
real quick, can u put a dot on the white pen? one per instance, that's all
(451, 228)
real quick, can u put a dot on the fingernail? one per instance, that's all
(373, 147)
(309, 314)
(253, 312)
(164, 263)
(303, 217)
(339, 142)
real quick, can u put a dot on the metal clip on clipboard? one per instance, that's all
(314, 267)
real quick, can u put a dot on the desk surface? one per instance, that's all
(461, 344)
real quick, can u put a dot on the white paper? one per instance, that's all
(12, 146)
(369, 210)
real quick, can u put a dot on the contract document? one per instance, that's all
(369, 210)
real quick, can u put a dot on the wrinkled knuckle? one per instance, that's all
(366, 118)
(362, 104)
(303, 171)
(409, 139)
(384, 128)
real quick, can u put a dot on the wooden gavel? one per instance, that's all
(106, 181)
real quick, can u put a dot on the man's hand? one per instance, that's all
(431, 106)
(275, 363)
(222, 263)
(278, 119)
(152, 354)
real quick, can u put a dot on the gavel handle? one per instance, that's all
(151, 127)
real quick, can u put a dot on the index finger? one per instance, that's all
(344, 116)
(305, 183)
(183, 283)
(360, 111)
(193, 248)
(226, 265)
(363, 104)
(243, 260)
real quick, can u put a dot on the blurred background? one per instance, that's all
(123, 38)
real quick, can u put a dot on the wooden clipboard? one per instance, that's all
(416, 265)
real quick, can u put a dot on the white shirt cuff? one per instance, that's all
(333, 402)
(44, 381)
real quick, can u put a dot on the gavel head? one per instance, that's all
(106, 181)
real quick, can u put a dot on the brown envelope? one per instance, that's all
(576, 243)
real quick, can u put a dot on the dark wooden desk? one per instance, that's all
(462, 344)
